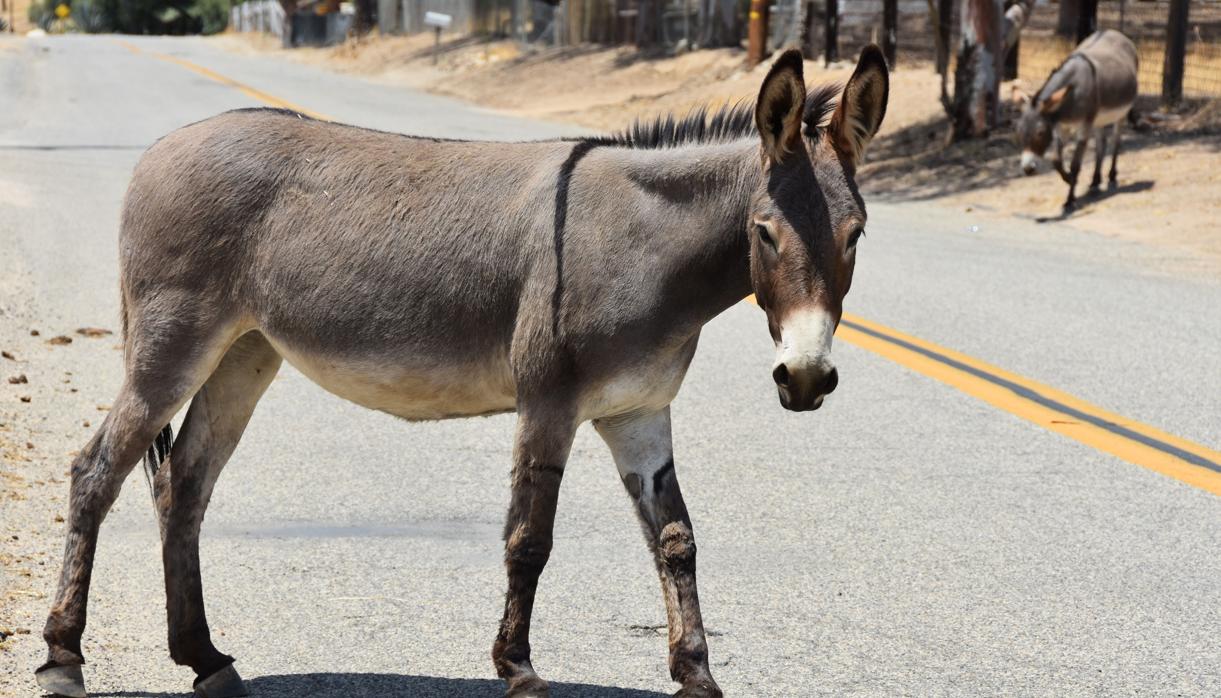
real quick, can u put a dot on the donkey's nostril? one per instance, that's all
(829, 383)
(781, 376)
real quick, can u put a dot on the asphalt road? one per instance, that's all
(907, 539)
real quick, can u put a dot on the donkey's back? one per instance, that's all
(1114, 63)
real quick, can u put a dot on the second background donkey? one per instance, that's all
(1095, 87)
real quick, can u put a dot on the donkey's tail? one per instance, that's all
(157, 453)
(1137, 123)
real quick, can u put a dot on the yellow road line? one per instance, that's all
(251, 92)
(1045, 406)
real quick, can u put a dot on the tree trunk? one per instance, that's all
(988, 30)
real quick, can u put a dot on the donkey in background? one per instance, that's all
(565, 280)
(1093, 88)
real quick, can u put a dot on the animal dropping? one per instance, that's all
(93, 332)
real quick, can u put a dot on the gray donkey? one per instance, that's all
(1093, 88)
(565, 280)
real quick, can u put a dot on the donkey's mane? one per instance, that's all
(707, 125)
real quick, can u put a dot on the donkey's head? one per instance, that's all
(807, 216)
(1037, 124)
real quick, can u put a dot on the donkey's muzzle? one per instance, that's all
(1030, 163)
(802, 390)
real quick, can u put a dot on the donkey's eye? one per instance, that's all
(765, 236)
(855, 237)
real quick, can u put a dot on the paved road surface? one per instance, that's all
(907, 539)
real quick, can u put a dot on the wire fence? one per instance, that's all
(1042, 48)
(686, 24)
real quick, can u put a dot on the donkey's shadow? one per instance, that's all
(1089, 199)
(387, 685)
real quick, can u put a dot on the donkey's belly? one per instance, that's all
(412, 389)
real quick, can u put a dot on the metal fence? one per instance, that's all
(264, 16)
(305, 27)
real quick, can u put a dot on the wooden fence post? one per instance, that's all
(831, 33)
(890, 31)
(944, 28)
(756, 39)
(1176, 49)
(1011, 61)
(1087, 19)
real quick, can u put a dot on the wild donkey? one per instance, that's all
(566, 280)
(1093, 88)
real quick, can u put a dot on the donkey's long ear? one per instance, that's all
(1055, 101)
(862, 106)
(781, 102)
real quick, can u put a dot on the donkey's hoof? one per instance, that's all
(67, 680)
(528, 687)
(702, 689)
(223, 684)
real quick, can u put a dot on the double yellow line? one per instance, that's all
(1047, 407)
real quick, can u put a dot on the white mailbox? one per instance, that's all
(438, 20)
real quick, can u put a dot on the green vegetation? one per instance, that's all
(134, 16)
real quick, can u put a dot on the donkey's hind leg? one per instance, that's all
(1113, 178)
(162, 373)
(182, 486)
(1100, 155)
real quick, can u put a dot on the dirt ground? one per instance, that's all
(20, 13)
(1169, 191)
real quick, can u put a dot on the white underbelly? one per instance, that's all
(417, 392)
(1107, 117)
(412, 392)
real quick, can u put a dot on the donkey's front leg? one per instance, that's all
(544, 438)
(1057, 159)
(643, 453)
(1083, 138)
